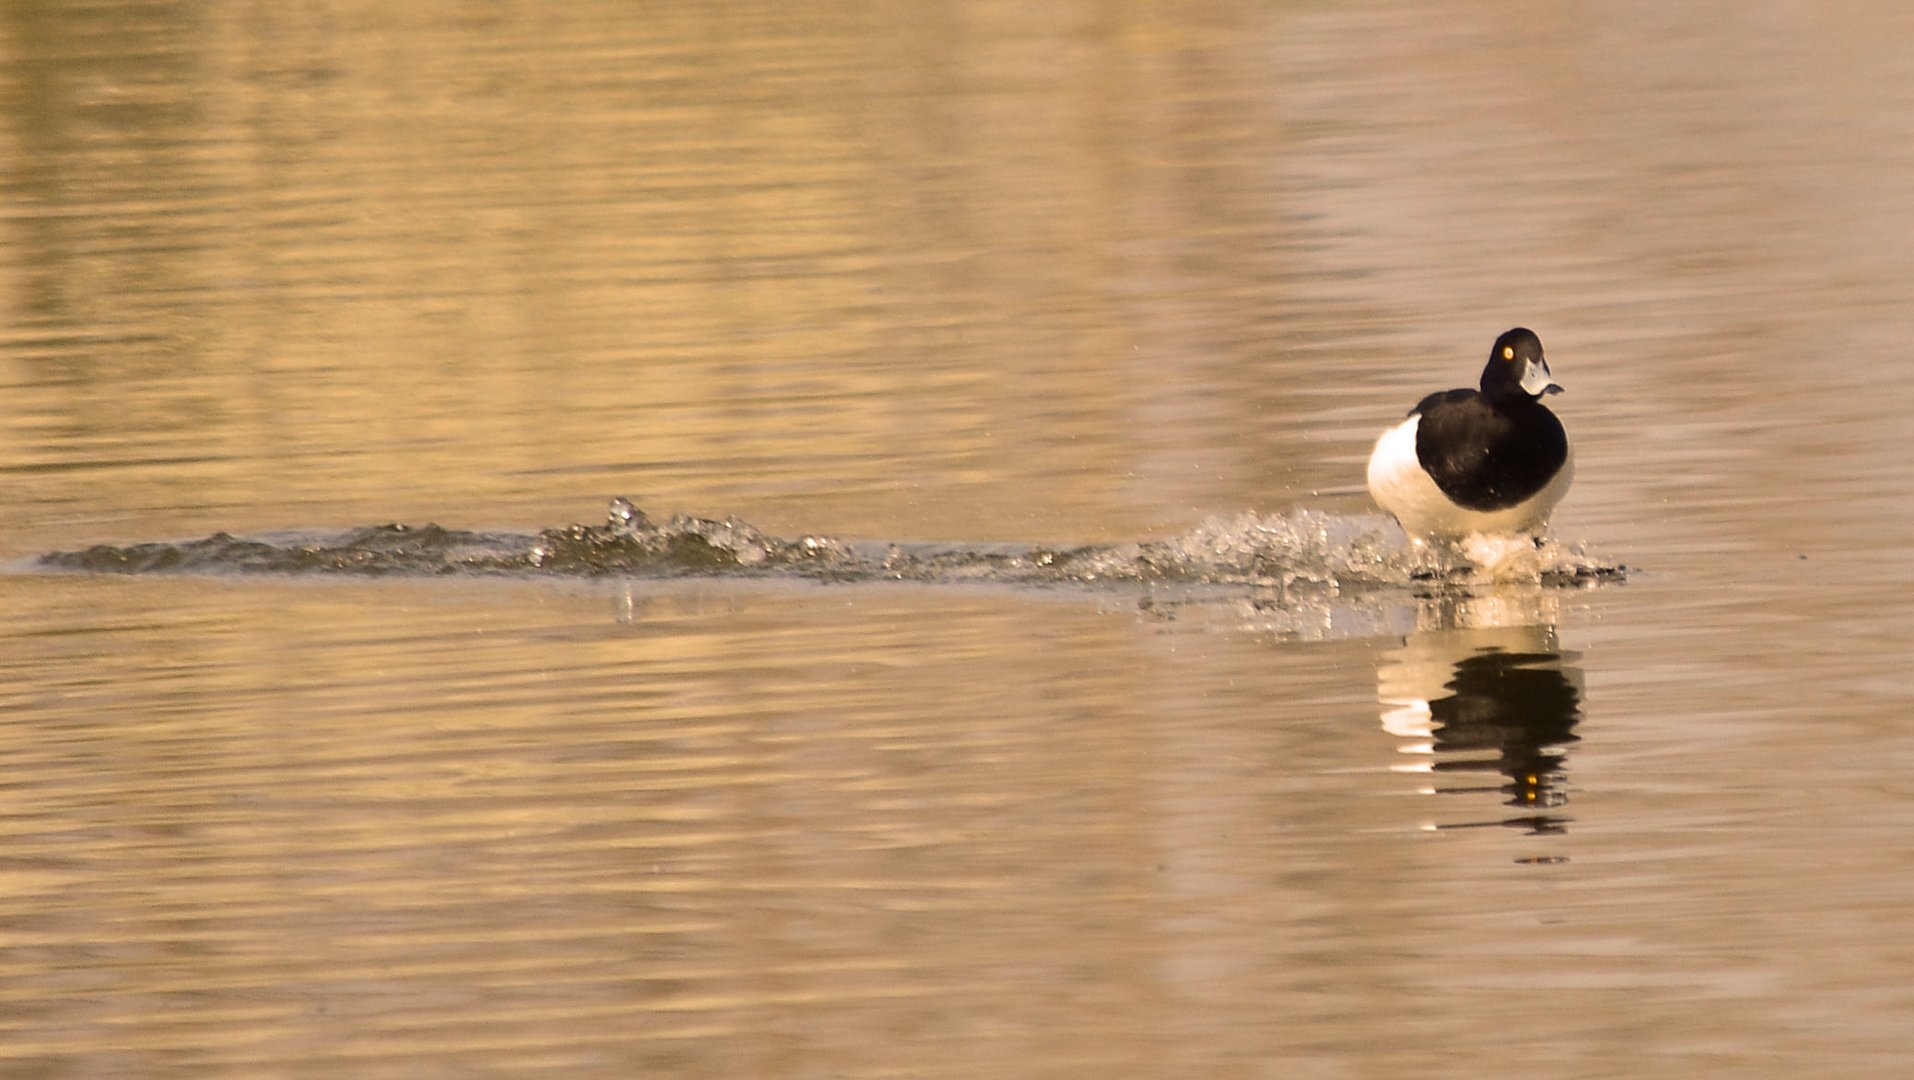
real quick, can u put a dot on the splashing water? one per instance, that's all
(1302, 548)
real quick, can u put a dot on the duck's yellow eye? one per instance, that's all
(1508, 352)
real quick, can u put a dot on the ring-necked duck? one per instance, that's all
(1493, 460)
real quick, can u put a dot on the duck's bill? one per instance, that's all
(1536, 380)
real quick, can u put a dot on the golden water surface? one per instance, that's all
(969, 272)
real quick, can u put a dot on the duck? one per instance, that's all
(1489, 461)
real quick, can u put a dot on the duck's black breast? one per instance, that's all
(1484, 455)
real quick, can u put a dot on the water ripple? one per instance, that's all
(1302, 548)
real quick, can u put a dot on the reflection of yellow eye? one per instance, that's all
(1508, 352)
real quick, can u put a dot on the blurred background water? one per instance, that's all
(1029, 273)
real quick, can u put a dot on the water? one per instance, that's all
(1324, 554)
(1060, 708)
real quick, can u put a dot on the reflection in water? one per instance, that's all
(1486, 691)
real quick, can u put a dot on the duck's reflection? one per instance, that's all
(1484, 708)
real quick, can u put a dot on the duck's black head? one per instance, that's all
(1517, 369)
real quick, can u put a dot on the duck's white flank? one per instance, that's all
(1400, 485)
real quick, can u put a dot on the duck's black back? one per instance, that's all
(1486, 456)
